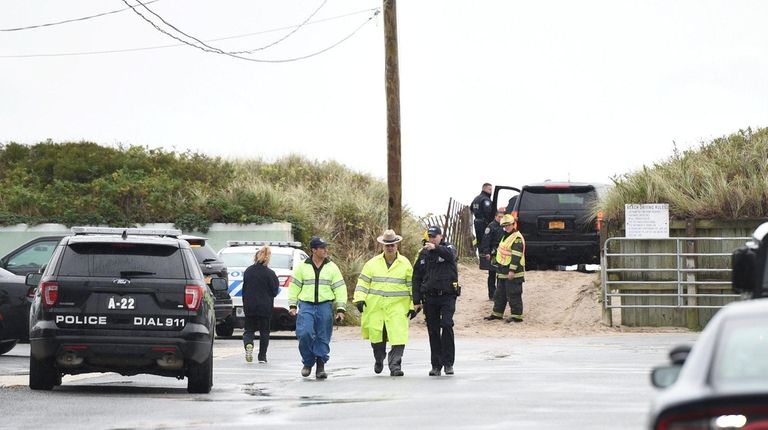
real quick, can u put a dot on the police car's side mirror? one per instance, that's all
(218, 284)
(33, 279)
(743, 265)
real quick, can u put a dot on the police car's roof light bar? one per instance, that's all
(169, 232)
(262, 243)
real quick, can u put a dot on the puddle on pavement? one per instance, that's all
(253, 390)
(305, 401)
(261, 411)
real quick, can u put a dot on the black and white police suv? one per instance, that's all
(122, 300)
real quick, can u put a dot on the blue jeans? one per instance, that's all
(314, 325)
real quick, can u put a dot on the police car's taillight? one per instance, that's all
(285, 280)
(193, 296)
(50, 292)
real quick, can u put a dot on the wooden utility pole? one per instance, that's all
(392, 76)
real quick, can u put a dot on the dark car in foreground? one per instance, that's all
(557, 222)
(723, 382)
(14, 310)
(122, 300)
(213, 268)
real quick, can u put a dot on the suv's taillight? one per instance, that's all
(599, 223)
(193, 296)
(285, 280)
(49, 290)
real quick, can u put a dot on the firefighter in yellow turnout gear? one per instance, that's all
(510, 273)
(383, 296)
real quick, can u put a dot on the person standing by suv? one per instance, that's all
(260, 287)
(510, 269)
(493, 234)
(482, 209)
(317, 287)
(435, 283)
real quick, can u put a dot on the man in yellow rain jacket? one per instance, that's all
(510, 271)
(383, 296)
(317, 287)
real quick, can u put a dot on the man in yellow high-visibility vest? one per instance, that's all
(383, 296)
(510, 271)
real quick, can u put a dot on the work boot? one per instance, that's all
(492, 317)
(396, 372)
(378, 366)
(435, 371)
(449, 370)
(514, 319)
(306, 370)
(249, 353)
(320, 370)
(262, 358)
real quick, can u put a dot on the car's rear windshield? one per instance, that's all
(204, 253)
(555, 199)
(124, 260)
(245, 259)
(742, 353)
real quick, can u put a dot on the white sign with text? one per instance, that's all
(646, 221)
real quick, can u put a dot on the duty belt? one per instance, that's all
(436, 293)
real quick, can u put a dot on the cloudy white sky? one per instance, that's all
(502, 91)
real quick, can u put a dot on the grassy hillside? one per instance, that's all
(85, 183)
(726, 178)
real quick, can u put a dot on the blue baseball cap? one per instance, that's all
(434, 230)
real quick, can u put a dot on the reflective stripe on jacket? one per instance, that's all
(510, 255)
(327, 285)
(388, 297)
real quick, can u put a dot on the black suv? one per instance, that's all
(122, 300)
(213, 267)
(557, 222)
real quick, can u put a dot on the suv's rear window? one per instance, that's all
(203, 252)
(555, 199)
(122, 260)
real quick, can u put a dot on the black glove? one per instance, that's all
(360, 306)
(412, 314)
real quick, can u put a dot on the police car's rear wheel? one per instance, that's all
(42, 374)
(200, 375)
(225, 328)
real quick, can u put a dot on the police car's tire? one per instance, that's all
(42, 375)
(200, 376)
(7, 345)
(225, 328)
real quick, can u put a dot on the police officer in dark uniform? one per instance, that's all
(436, 286)
(482, 209)
(491, 238)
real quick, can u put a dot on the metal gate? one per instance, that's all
(677, 272)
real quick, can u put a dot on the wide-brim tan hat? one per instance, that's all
(389, 237)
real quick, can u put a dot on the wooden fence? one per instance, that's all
(456, 225)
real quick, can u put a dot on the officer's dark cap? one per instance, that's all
(434, 230)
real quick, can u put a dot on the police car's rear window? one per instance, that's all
(203, 253)
(243, 259)
(549, 200)
(123, 260)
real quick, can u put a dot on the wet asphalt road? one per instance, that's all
(551, 383)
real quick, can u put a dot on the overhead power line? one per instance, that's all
(211, 49)
(176, 45)
(67, 21)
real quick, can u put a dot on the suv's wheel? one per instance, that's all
(7, 345)
(200, 375)
(225, 328)
(42, 375)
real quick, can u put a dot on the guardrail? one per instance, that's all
(677, 272)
